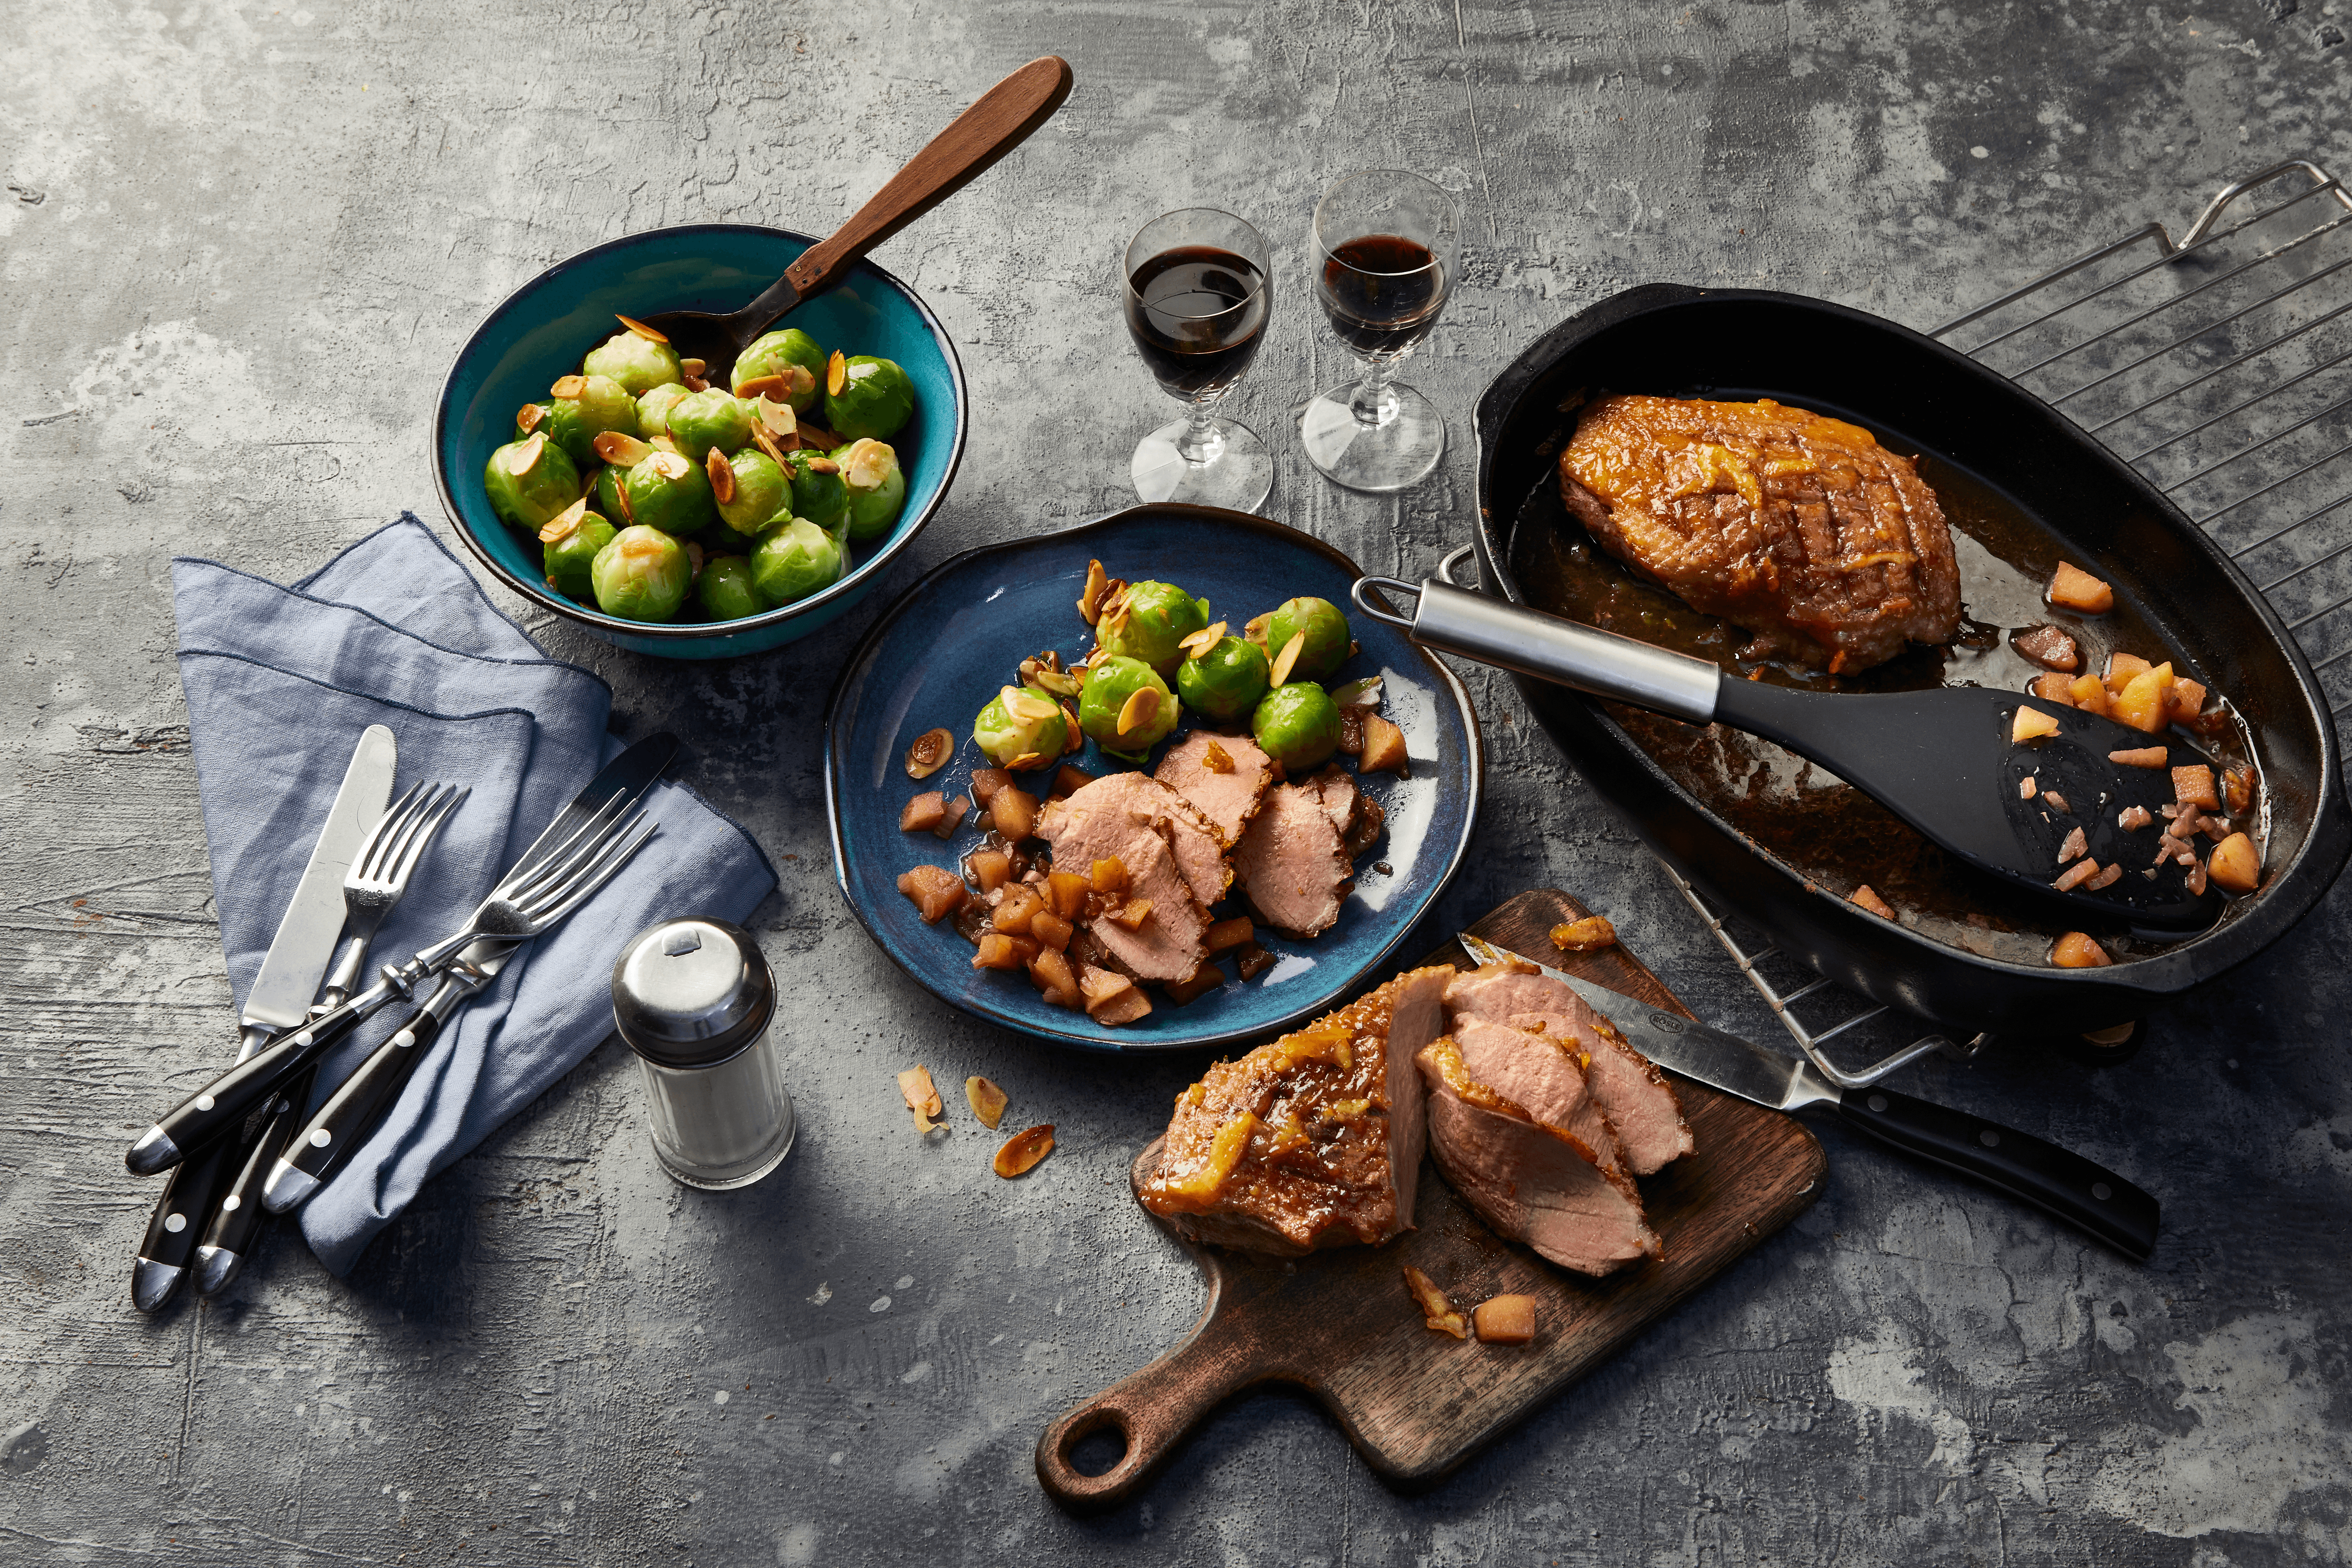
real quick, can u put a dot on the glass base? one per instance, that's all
(1391, 446)
(1238, 473)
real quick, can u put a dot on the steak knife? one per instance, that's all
(2084, 1194)
(279, 999)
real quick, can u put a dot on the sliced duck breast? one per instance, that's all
(1200, 855)
(1337, 788)
(1314, 1141)
(1291, 863)
(1168, 944)
(1537, 1073)
(1228, 796)
(1527, 1181)
(1634, 1095)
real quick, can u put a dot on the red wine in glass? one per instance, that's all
(1197, 313)
(1383, 293)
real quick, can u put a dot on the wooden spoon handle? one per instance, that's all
(1001, 120)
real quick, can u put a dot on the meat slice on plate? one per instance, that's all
(1337, 789)
(1228, 796)
(1528, 1180)
(1633, 1093)
(1314, 1141)
(1535, 1072)
(1802, 529)
(1291, 863)
(1168, 944)
(1145, 801)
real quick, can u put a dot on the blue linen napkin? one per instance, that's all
(280, 682)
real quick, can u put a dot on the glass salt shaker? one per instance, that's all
(696, 1000)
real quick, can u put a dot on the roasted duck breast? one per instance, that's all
(1801, 529)
(1314, 1141)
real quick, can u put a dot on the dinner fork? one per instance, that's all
(531, 899)
(377, 881)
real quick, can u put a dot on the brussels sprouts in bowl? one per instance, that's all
(546, 331)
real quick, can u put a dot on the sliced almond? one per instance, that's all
(836, 373)
(1287, 659)
(628, 512)
(986, 1100)
(1077, 738)
(639, 328)
(1091, 597)
(569, 386)
(527, 419)
(626, 450)
(763, 386)
(722, 475)
(692, 366)
(525, 457)
(930, 753)
(1363, 693)
(1201, 641)
(802, 379)
(921, 1095)
(665, 444)
(776, 418)
(560, 526)
(1027, 706)
(822, 466)
(1141, 707)
(767, 443)
(1023, 1150)
(817, 435)
(1025, 760)
(1059, 684)
(671, 467)
(1436, 1309)
(1254, 628)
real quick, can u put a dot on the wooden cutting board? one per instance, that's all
(1340, 1324)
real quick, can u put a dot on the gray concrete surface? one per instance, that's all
(240, 244)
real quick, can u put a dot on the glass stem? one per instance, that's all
(1373, 403)
(1201, 442)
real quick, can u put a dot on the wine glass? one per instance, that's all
(1198, 293)
(1386, 249)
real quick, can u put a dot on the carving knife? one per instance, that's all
(2087, 1195)
(279, 999)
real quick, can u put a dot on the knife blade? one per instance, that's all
(280, 997)
(2059, 1182)
(226, 1100)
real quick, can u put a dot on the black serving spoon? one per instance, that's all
(999, 120)
(1941, 759)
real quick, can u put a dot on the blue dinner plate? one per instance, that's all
(960, 633)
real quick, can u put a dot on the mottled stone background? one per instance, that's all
(240, 246)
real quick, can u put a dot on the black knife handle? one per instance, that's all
(2087, 1195)
(351, 1113)
(178, 1222)
(219, 1107)
(240, 1217)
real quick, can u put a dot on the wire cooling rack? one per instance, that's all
(2220, 367)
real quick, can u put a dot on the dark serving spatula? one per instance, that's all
(1941, 759)
(997, 123)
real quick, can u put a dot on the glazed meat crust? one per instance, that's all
(1801, 529)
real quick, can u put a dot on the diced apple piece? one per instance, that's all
(2078, 949)
(935, 889)
(1205, 979)
(2048, 647)
(1050, 973)
(1108, 875)
(1111, 998)
(2185, 701)
(1016, 908)
(986, 782)
(991, 869)
(1068, 892)
(2089, 693)
(1228, 933)
(2140, 757)
(922, 813)
(2076, 589)
(1867, 897)
(2234, 865)
(997, 951)
(2140, 705)
(2194, 786)
(1016, 813)
(2121, 667)
(1130, 915)
(1383, 747)
(1051, 930)
(2237, 784)
(2031, 725)
(1069, 779)
(1590, 934)
(1505, 1319)
(2053, 688)
(2074, 875)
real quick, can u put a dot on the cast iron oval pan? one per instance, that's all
(1941, 759)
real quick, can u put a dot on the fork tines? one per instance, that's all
(402, 836)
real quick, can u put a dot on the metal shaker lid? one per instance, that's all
(692, 993)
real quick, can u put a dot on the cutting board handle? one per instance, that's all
(1151, 1410)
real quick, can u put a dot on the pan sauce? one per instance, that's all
(1800, 813)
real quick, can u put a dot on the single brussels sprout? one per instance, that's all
(1297, 725)
(793, 561)
(1226, 681)
(819, 493)
(702, 420)
(726, 589)
(639, 365)
(569, 559)
(790, 353)
(604, 495)
(760, 487)
(653, 408)
(596, 404)
(1155, 617)
(531, 417)
(668, 492)
(1327, 642)
(866, 396)
(1020, 724)
(641, 575)
(529, 481)
(876, 488)
(1112, 683)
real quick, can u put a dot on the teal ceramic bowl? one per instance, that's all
(542, 329)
